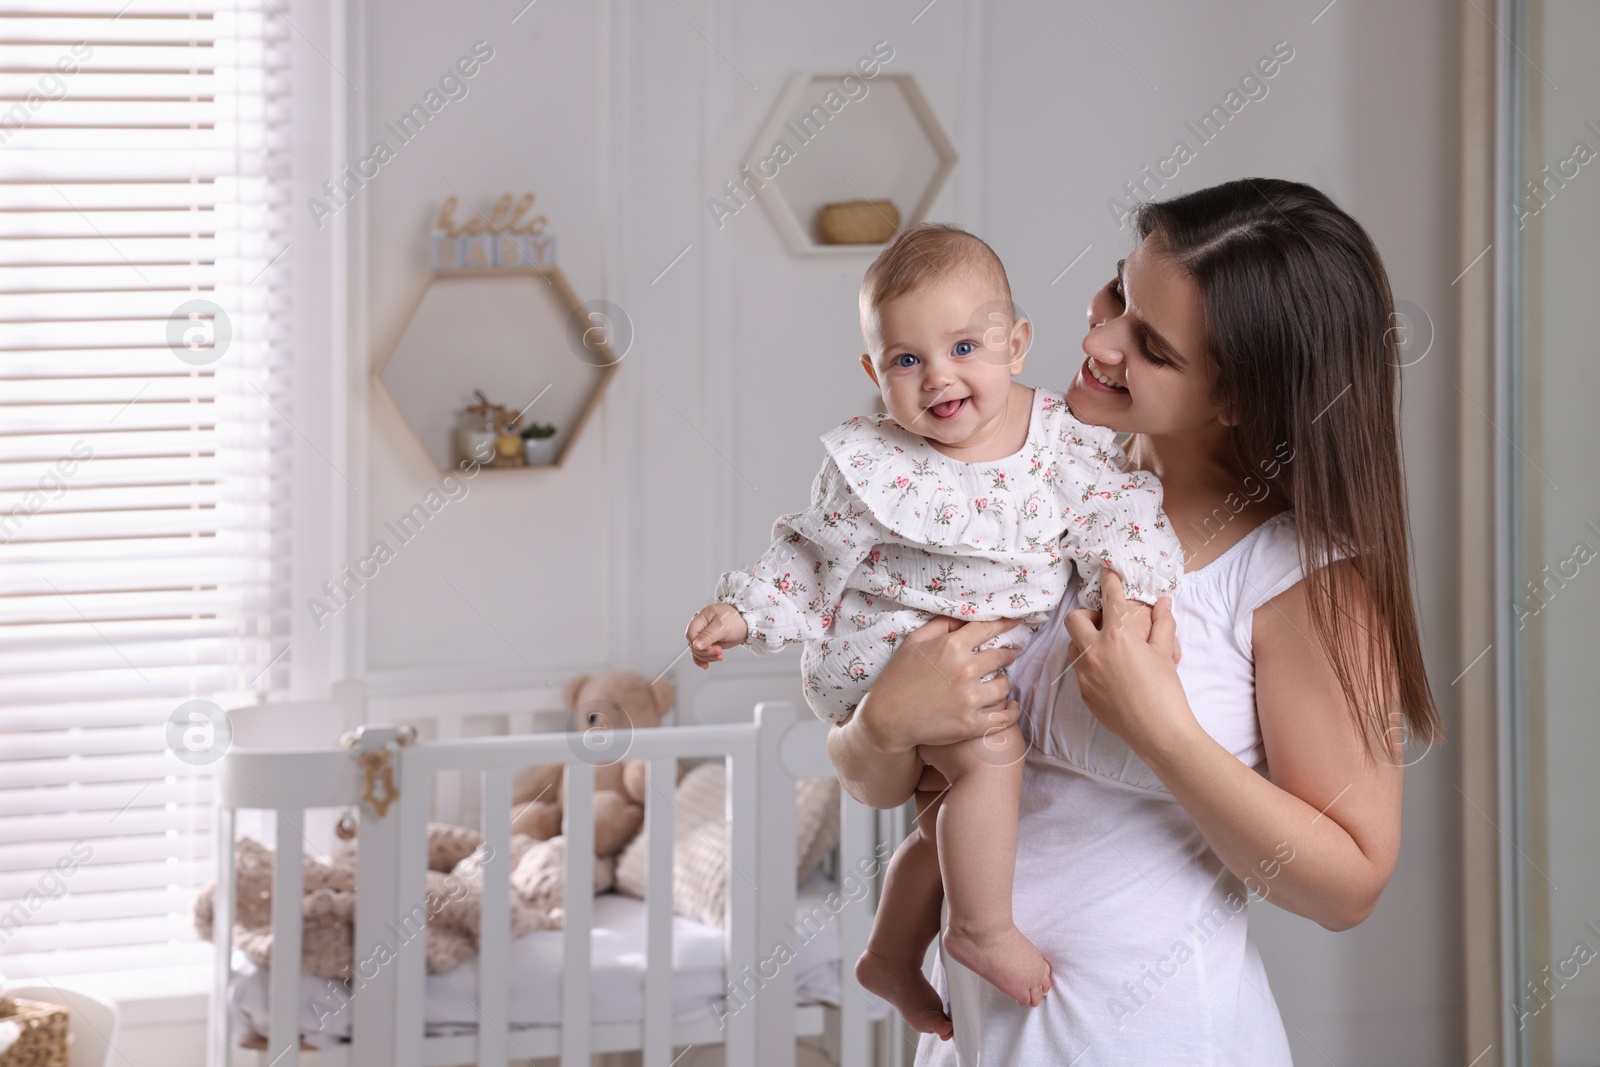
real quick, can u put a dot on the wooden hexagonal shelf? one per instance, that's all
(520, 335)
(820, 146)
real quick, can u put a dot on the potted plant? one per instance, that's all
(539, 444)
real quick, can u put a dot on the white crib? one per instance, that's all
(762, 759)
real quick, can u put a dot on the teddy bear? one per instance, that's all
(613, 700)
(454, 899)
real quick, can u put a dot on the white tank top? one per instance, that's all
(1144, 927)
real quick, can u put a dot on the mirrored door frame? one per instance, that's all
(1501, 779)
(1477, 727)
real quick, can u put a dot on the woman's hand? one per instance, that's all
(1124, 658)
(929, 693)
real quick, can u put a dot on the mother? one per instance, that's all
(1247, 344)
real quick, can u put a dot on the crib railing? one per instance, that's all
(762, 761)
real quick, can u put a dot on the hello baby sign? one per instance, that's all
(508, 238)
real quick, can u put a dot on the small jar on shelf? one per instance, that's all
(476, 431)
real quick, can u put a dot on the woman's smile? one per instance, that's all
(1097, 379)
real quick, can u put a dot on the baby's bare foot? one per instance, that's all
(1006, 959)
(904, 986)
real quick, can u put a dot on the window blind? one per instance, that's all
(144, 451)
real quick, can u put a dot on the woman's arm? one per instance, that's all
(1321, 838)
(929, 693)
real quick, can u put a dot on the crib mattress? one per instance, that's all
(617, 985)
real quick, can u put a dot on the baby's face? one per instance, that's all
(943, 356)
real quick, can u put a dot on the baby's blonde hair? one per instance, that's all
(923, 253)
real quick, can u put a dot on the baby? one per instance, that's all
(965, 501)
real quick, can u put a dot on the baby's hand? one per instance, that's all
(714, 628)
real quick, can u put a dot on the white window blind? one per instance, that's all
(143, 524)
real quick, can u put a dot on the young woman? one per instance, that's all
(1246, 346)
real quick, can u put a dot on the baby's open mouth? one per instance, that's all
(947, 409)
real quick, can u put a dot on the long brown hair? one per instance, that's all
(1299, 321)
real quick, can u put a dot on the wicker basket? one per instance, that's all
(43, 1041)
(858, 222)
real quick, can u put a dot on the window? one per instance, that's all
(144, 451)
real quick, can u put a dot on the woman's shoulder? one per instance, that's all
(1271, 556)
(1266, 554)
(1263, 564)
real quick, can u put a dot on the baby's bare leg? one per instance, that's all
(906, 924)
(978, 857)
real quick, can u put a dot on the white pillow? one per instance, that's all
(700, 841)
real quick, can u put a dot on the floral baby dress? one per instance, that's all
(898, 532)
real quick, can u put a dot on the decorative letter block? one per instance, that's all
(446, 252)
(477, 252)
(524, 250)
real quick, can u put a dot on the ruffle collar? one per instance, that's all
(925, 497)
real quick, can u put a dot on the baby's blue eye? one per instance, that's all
(905, 359)
(965, 348)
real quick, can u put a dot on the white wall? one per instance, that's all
(625, 118)
(473, 599)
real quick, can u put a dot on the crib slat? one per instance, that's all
(578, 826)
(288, 886)
(411, 866)
(374, 1027)
(777, 889)
(857, 834)
(742, 815)
(219, 1039)
(658, 829)
(893, 826)
(494, 929)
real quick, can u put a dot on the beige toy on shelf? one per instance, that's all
(508, 441)
(617, 701)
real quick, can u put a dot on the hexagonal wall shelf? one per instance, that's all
(519, 335)
(885, 144)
